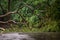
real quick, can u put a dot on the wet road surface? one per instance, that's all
(30, 36)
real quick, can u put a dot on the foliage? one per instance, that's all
(42, 15)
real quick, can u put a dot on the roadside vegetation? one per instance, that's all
(29, 16)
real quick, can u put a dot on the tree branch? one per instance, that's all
(7, 14)
(28, 6)
(9, 21)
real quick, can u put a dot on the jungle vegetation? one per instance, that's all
(30, 15)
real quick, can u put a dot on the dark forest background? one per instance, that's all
(30, 15)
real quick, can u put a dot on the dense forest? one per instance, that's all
(29, 16)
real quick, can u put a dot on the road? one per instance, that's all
(30, 36)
